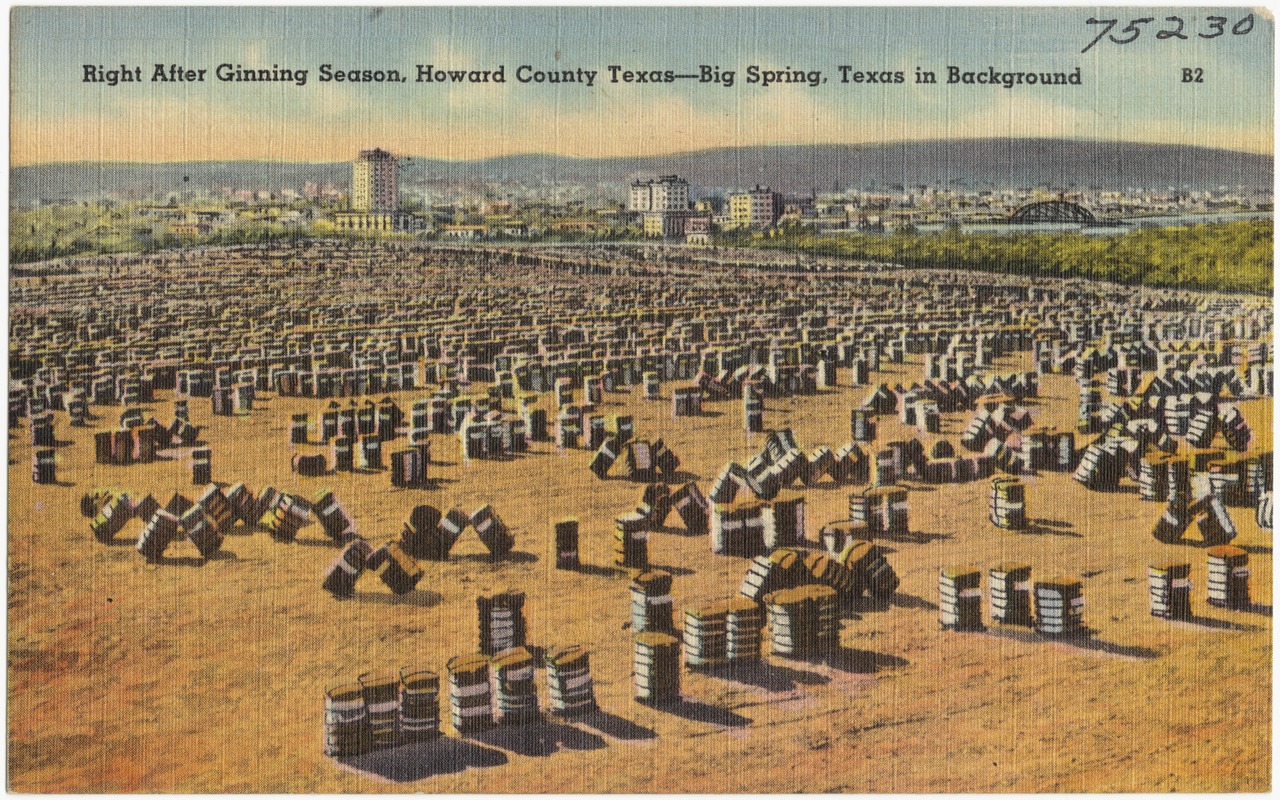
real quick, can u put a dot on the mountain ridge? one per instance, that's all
(792, 169)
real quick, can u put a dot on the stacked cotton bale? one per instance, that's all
(569, 680)
(1010, 592)
(803, 621)
(1059, 604)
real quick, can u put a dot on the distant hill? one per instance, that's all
(792, 169)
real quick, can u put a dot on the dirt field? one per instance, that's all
(187, 676)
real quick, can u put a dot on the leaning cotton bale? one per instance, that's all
(112, 513)
(395, 568)
(1214, 523)
(421, 536)
(157, 534)
(605, 457)
(202, 531)
(217, 506)
(692, 507)
(340, 577)
(285, 517)
(241, 501)
(338, 524)
(492, 531)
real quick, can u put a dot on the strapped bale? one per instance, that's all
(340, 577)
(492, 531)
(421, 536)
(569, 682)
(336, 521)
(396, 568)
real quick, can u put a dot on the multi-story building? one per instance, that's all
(375, 181)
(667, 193)
(758, 207)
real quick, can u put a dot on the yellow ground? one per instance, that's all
(210, 677)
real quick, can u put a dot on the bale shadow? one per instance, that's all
(422, 598)
(1051, 523)
(899, 599)
(676, 571)
(601, 571)
(1084, 640)
(615, 727)
(1251, 549)
(1260, 609)
(513, 556)
(676, 531)
(1035, 529)
(540, 739)
(420, 760)
(1218, 624)
(862, 662)
(915, 537)
(770, 677)
(698, 711)
(181, 561)
(680, 476)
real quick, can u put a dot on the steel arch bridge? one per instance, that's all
(1053, 211)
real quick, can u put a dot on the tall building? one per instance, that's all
(667, 193)
(758, 207)
(375, 181)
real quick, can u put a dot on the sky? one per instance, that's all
(1131, 92)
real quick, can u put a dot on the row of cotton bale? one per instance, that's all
(282, 325)
(382, 711)
(631, 530)
(35, 395)
(430, 534)
(206, 521)
(773, 381)
(1054, 607)
(354, 382)
(1227, 583)
(139, 441)
(1196, 418)
(859, 569)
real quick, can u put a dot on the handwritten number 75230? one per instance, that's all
(1216, 26)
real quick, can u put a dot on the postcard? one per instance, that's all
(640, 400)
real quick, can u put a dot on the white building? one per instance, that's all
(667, 193)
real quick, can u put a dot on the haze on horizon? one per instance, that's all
(1130, 93)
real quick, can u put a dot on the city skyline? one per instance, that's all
(1133, 92)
